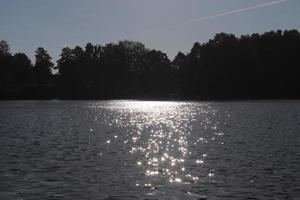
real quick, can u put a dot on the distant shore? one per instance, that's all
(256, 66)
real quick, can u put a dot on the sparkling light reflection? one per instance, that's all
(159, 135)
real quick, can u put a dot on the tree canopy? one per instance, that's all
(226, 67)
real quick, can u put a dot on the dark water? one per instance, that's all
(149, 150)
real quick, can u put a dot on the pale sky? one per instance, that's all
(167, 25)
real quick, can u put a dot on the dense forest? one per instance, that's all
(257, 66)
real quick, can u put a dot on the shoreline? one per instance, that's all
(154, 99)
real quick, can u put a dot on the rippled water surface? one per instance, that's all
(149, 150)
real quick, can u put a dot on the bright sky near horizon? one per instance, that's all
(167, 25)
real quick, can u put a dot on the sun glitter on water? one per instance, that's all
(159, 131)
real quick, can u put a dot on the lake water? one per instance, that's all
(149, 150)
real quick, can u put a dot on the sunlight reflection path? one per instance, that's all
(158, 134)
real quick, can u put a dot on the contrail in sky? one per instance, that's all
(200, 19)
(234, 11)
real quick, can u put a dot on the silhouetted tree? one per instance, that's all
(6, 61)
(22, 68)
(43, 66)
(226, 67)
(256, 66)
(156, 75)
(4, 48)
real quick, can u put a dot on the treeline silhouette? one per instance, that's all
(253, 66)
